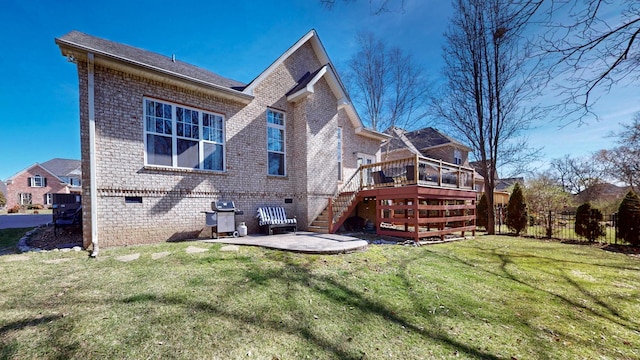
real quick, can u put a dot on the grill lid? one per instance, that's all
(222, 205)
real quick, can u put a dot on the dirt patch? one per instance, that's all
(45, 238)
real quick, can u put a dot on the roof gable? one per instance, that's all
(318, 48)
(421, 139)
(305, 85)
(10, 180)
(63, 167)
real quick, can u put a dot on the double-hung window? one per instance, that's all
(457, 157)
(25, 198)
(276, 142)
(37, 181)
(182, 137)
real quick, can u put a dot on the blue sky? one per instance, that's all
(237, 39)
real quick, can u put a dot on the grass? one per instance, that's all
(9, 238)
(491, 298)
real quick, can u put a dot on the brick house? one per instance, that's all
(161, 139)
(36, 184)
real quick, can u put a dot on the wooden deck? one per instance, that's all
(414, 198)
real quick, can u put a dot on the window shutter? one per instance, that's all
(29, 182)
(45, 182)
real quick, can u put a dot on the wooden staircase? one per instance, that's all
(339, 207)
(321, 223)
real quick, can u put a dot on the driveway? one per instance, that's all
(23, 221)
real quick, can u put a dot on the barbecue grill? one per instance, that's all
(222, 217)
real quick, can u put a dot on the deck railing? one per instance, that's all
(415, 170)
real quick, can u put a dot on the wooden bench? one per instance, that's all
(275, 217)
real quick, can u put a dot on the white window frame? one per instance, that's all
(339, 154)
(174, 136)
(25, 198)
(457, 157)
(280, 127)
(366, 159)
(48, 199)
(37, 181)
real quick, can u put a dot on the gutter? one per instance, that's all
(92, 155)
(230, 93)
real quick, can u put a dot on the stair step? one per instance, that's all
(319, 229)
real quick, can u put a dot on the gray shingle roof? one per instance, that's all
(63, 167)
(149, 58)
(423, 139)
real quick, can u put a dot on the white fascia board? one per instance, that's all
(310, 35)
(68, 48)
(309, 89)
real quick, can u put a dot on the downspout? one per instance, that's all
(92, 155)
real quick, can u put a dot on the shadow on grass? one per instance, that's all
(8, 349)
(297, 275)
(610, 314)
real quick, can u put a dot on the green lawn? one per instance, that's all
(9, 239)
(492, 298)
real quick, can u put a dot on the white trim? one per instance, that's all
(174, 136)
(282, 127)
(68, 47)
(317, 47)
(92, 155)
(10, 180)
(340, 155)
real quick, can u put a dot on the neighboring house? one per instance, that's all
(427, 142)
(502, 188)
(69, 171)
(602, 192)
(36, 185)
(430, 143)
(161, 139)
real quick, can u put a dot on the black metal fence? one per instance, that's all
(560, 225)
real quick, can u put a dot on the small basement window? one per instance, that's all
(133, 199)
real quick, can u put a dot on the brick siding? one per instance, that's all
(173, 199)
(20, 184)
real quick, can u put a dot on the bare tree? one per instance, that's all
(577, 174)
(623, 161)
(487, 83)
(545, 197)
(594, 45)
(387, 84)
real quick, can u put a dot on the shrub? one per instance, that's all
(35, 207)
(3, 199)
(516, 211)
(588, 222)
(14, 209)
(482, 212)
(629, 219)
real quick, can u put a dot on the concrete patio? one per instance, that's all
(302, 241)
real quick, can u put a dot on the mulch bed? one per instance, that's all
(45, 238)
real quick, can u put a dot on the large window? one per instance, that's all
(182, 137)
(275, 142)
(339, 153)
